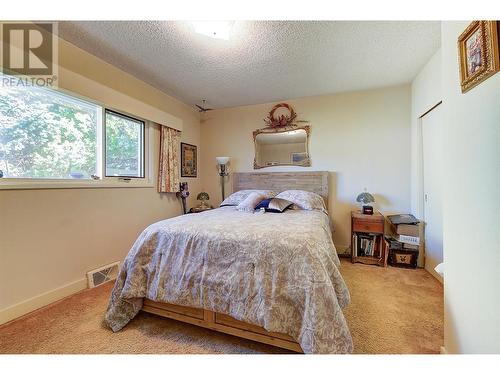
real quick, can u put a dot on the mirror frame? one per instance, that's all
(305, 163)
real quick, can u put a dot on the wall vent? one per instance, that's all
(104, 274)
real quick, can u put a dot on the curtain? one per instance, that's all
(168, 174)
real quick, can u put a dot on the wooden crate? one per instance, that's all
(403, 258)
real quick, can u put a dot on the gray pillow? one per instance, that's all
(238, 197)
(304, 200)
(278, 205)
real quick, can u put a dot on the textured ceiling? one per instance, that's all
(263, 61)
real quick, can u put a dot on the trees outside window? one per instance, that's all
(47, 134)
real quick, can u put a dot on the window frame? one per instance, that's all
(102, 181)
(143, 141)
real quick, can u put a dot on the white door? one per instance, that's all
(432, 141)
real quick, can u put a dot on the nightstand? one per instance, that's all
(367, 239)
(196, 210)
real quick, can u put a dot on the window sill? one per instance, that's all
(21, 184)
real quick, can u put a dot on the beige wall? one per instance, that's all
(471, 208)
(362, 138)
(51, 238)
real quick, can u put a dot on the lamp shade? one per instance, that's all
(365, 198)
(222, 160)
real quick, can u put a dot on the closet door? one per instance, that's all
(432, 141)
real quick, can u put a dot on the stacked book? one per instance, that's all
(406, 229)
(365, 244)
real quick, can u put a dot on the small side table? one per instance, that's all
(371, 226)
(197, 210)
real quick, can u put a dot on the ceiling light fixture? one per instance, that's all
(214, 29)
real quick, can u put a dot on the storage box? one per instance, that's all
(408, 229)
(409, 239)
(403, 258)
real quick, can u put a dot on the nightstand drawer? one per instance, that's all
(367, 226)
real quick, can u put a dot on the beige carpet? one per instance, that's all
(392, 311)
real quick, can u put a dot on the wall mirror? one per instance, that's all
(282, 146)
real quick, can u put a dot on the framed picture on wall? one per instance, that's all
(189, 160)
(479, 53)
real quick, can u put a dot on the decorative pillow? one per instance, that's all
(236, 198)
(263, 204)
(248, 204)
(304, 200)
(278, 205)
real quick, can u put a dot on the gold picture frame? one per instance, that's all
(304, 161)
(478, 50)
(189, 160)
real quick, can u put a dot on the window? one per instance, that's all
(49, 138)
(46, 134)
(124, 146)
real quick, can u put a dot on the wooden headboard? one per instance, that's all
(317, 182)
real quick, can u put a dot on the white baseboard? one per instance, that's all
(436, 275)
(41, 300)
(442, 350)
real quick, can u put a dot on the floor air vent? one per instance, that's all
(101, 275)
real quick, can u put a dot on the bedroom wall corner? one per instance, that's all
(426, 92)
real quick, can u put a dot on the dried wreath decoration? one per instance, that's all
(282, 120)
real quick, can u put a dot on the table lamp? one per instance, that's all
(366, 198)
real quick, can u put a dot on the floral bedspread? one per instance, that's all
(278, 271)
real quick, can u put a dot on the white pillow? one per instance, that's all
(304, 200)
(238, 197)
(250, 202)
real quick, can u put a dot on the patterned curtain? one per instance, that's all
(168, 174)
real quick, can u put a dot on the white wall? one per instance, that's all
(362, 138)
(426, 92)
(51, 238)
(471, 209)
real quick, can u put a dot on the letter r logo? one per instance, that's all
(27, 48)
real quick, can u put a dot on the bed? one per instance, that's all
(272, 278)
